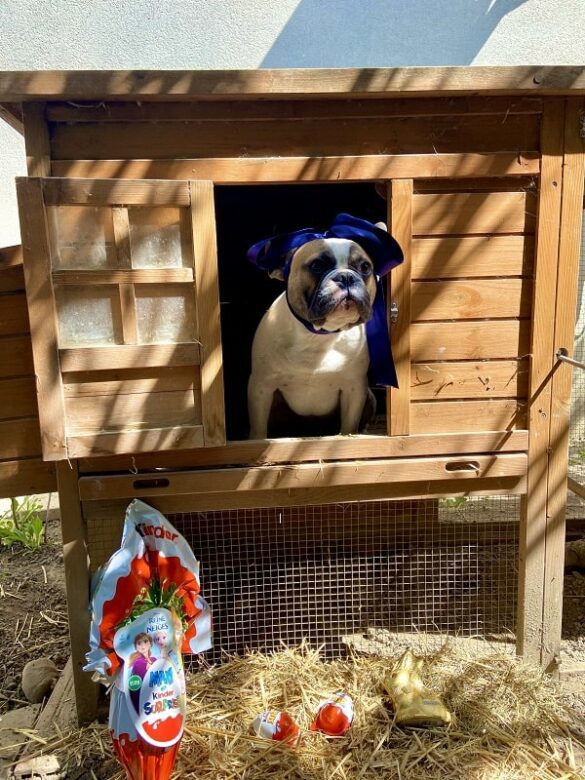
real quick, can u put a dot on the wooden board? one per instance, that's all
(173, 85)
(308, 137)
(451, 416)
(233, 110)
(18, 398)
(325, 448)
(496, 339)
(484, 379)
(26, 476)
(491, 213)
(468, 299)
(280, 478)
(471, 257)
(271, 170)
(13, 314)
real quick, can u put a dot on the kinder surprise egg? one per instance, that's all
(279, 726)
(334, 716)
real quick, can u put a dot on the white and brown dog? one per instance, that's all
(310, 354)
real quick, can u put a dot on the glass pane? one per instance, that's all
(88, 317)
(165, 314)
(83, 237)
(158, 237)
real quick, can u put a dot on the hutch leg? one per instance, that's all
(533, 521)
(77, 583)
(566, 307)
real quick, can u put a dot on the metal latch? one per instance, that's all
(394, 312)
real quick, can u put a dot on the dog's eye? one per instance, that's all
(365, 268)
(320, 265)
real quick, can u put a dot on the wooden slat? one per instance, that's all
(121, 228)
(129, 276)
(208, 313)
(285, 109)
(16, 356)
(472, 213)
(491, 340)
(20, 439)
(43, 317)
(566, 309)
(13, 314)
(451, 416)
(26, 477)
(478, 380)
(399, 294)
(77, 583)
(18, 398)
(132, 411)
(153, 440)
(533, 511)
(173, 85)
(36, 140)
(446, 258)
(11, 113)
(11, 273)
(310, 137)
(306, 475)
(128, 356)
(471, 299)
(337, 448)
(265, 170)
(111, 383)
(96, 192)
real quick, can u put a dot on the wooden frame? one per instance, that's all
(526, 387)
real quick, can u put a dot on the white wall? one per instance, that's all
(184, 34)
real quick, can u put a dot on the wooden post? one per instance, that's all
(566, 308)
(533, 521)
(77, 583)
(399, 289)
(36, 139)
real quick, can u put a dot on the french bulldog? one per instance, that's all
(310, 352)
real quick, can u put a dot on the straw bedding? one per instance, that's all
(510, 723)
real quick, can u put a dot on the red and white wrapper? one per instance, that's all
(276, 725)
(146, 612)
(334, 716)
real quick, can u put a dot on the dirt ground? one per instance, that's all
(33, 624)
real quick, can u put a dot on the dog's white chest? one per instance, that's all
(309, 369)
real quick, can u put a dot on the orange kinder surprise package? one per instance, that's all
(147, 612)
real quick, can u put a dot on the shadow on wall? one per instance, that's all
(370, 33)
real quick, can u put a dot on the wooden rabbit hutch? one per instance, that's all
(144, 190)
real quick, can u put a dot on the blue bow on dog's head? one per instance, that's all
(274, 255)
(384, 251)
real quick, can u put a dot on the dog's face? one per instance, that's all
(331, 284)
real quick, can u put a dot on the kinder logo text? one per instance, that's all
(157, 531)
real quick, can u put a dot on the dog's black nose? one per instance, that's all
(345, 279)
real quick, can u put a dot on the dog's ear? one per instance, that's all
(382, 226)
(280, 271)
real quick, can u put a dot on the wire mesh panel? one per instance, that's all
(329, 574)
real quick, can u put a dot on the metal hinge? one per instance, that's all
(582, 124)
(394, 312)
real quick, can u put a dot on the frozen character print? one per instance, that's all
(140, 661)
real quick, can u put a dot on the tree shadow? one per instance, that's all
(340, 34)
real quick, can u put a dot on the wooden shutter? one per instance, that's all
(122, 289)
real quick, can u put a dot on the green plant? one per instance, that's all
(157, 594)
(23, 523)
(453, 503)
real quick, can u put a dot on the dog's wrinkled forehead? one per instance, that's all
(342, 251)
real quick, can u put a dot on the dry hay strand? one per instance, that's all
(511, 722)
